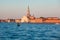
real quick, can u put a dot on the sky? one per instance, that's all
(38, 8)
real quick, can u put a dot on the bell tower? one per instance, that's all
(28, 12)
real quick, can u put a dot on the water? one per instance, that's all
(28, 31)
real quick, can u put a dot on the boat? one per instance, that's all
(18, 24)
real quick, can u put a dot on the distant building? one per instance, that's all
(53, 18)
(28, 12)
(17, 20)
(24, 19)
(7, 20)
(31, 19)
(37, 20)
(28, 17)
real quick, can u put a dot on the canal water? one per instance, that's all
(29, 31)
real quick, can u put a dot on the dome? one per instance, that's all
(24, 19)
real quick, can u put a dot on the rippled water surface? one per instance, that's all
(29, 31)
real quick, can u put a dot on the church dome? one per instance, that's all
(24, 19)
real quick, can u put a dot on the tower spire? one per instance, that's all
(28, 11)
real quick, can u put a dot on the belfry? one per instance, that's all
(28, 12)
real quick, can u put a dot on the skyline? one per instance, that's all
(18, 8)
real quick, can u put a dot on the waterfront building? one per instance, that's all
(24, 19)
(7, 20)
(17, 20)
(52, 21)
(37, 20)
(28, 17)
(12, 20)
(53, 18)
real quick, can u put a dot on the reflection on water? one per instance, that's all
(28, 31)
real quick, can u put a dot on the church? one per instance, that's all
(28, 16)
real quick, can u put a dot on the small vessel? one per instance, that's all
(18, 24)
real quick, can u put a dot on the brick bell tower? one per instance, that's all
(28, 12)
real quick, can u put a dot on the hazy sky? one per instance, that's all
(18, 8)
